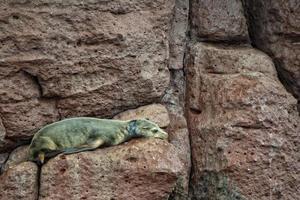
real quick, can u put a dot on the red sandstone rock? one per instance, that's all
(243, 126)
(20, 182)
(156, 113)
(275, 29)
(18, 88)
(24, 118)
(178, 34)
(98, 58)
(16, 157)
(178, 136)
(218, 20)
(142, 169)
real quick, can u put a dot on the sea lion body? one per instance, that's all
(85, 133)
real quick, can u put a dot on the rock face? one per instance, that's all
(63, 59)
(179, 137)
(22, 111)
(220, 20)
(176, 127)
(3, 158)
(188, 65)
(141, 169)
(243, 126)
(20, 182)
(16, 157)
(178, 34)
(156, 113)
(275, 29)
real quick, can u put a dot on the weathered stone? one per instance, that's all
(178, 133)
(140, 169)
(179, 137)
(174, 97)
(275, 28)
(21, 109)
(243, 126)
(156, 113)
(3, 158)
(178, 34)
(101, 58)
(16, 157)
(220, 20)
(18, 88)
(4, 143)
(22, 119)
(20, 182)
(220, 60)
(2, 133)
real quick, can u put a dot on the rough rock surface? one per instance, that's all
(243, 125)
(21, 110)
(220, 20)
(99, 58)
(23, 119)
(16, 157)
(156, 113)
(178, 136)
(3, 158)
(2, 134)
(142, 169)
(174, 99)
(178, 34)
(20, 182)
(275, 29)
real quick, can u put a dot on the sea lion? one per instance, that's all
(85, 133)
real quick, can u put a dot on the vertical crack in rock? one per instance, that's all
(174, 97)
(189, 40)
(39, 173)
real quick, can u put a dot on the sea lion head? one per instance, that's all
(146, 128)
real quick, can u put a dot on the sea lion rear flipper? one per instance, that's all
(53, 153)
(77, 150)
(87, 147)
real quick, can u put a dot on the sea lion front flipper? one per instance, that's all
(41, 158)
(87, 147)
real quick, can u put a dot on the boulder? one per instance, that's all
(275, 29)
(16, 157)
(176, 127)
(23, 119)
(243, 126)
(95, 58)
(22, 110)
(220, 20)
(141, 169)
(156, 113)
(20, 182)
